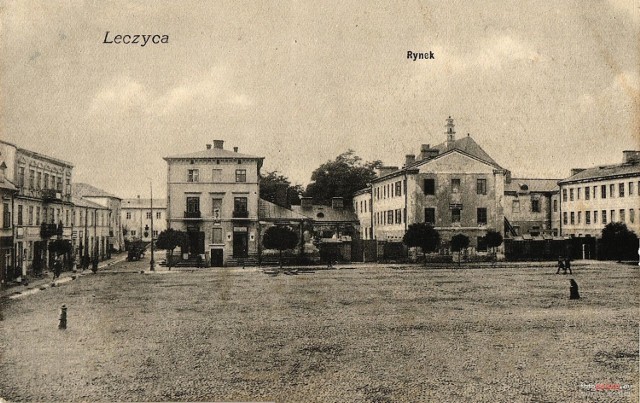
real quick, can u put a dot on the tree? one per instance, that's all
(618, 242)
(275, 188)
(280, 238)
(341, 178)
(170, 239)
(493, 239)
(459, 242)
(422, 235)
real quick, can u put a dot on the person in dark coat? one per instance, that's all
(57, 268)
(567, 265)
(560, 265)
(573, 290)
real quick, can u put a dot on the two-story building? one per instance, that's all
(592, 198)
(213, 195)
(136, 216)
(455, 186)
(91, 231)
(530, 208)
(112, 203)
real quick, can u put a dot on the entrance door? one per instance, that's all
(217, 257)
(196, 242)
(240, 245)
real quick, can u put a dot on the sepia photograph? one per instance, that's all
(334, 201)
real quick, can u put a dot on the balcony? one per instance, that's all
(192, 215)
(51, 195)
(49, 230)
(240, 214)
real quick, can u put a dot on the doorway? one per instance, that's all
(240, 245)
(217, 257)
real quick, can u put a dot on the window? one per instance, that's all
(579, 217)
(515, 206)
(133, 232)
(39, 180)
(455, 215)
(482, 216)
(241, 175)
(45, 214)
(579, 193)
(564, 218)
(240, 204)
(193, 175)
(604, 217)
(595, 188)
(621, 189)
(398, 216)
(32, 175)
(128, 215)
(390, 217)
(430, 215)
(19, 214)
(564, 195)
(612, 189)
(30, 215)
(21, 176)
(573, 218)
(632, 215)
(603, 191)
(482, 244)
(555, 206)
(193, 204)
(430, 186)
(158, 215)
(216, 235)
(534, 231)
(455, 185)
(612, 216)
(595, 217)
(622, 215)
(216, 209)
(46, 181)
(155, 233)
(399, 188)
(587, 193)
(630, 188)
(6, 216)
(481, 186)
(149, 215)
(587, 217)
(66, 217)
(535, 205)
(216, 175)
(571, 194)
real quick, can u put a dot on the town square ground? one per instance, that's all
(379, 333)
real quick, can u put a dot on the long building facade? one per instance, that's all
(136, 216)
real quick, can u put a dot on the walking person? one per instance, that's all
(567, 265)
(57, 268)
(560, 266)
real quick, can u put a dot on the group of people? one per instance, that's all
(564, 264)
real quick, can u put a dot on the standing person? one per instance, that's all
(560, 265)
(57, 268)
(567, 265)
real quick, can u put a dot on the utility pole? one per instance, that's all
(152, 263)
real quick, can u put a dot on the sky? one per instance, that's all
(543, 86)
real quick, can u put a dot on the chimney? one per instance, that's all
(208, 146)
(451, 133)
(382, 171)
(426, 152)
(3, 167)
(306, 202)
(409, 159)
(575, 171)
(235, 149)
(507, 176)
(631, 156)
(337, 203)
(219, 144)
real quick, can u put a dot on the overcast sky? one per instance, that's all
(542, 86)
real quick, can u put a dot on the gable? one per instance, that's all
(456, 162)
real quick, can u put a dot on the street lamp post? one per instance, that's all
(152, 262)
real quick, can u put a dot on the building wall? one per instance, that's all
(91, 232)
(135, 218)
(362, 204)
(625, 206)
(219, 227)
(115, 226)
(519, 210)
(389, 208)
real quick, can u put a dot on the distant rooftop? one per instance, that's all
(216, 151)
(143, 203)
(86, 190)
(625, 169)
(531, 185)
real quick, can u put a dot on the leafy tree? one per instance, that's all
(618, 242)
(459, 242)
(341, 178)
(493, 239)
(280, 238)
(271, 183)
(170, 239)
(422, 235)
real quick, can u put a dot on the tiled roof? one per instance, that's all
(143, 203)
(605, 171)
(320, 213)
(532, 185)
(468, 145)
(213, 153)
(86, 190)
(272, 211)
